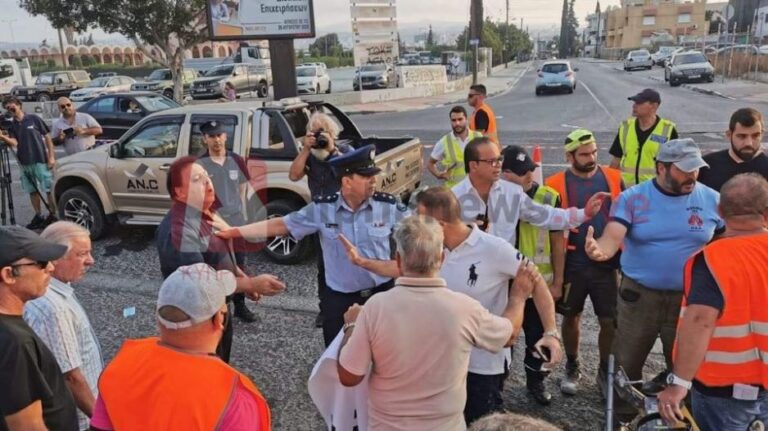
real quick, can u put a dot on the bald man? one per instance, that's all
(77, 131)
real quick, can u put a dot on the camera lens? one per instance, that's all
(320, 140)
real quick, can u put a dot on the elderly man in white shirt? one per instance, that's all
(60, 321)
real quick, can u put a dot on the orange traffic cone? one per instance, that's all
(538, 173)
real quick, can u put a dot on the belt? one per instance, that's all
(365, 293)
(719, 391)
(659, 291)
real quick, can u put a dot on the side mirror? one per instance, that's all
(115, 151)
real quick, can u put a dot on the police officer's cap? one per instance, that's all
(212, 128)
(360, 161)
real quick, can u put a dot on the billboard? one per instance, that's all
(260, 19)
(374, 25)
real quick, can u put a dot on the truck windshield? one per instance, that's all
(160, 75)
(220, 71)
(6, 70)
(45, 79)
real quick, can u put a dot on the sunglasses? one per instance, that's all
(66, 105)
(584, 138)
(40, 264)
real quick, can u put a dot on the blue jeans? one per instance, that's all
(727, 414)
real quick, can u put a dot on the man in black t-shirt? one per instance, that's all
(34, 394)
(745, 131)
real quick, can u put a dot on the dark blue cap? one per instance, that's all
(212, 128)
(360, 161)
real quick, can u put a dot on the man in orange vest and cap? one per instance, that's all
(483, 119)
(176, 382)
(722, 340)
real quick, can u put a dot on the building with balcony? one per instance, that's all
(638, 24)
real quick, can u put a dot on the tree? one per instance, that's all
(516, 41)
(170, 26)
(569, 35)
(327, 45)
(430, 38)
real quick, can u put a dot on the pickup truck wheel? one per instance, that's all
(81, 206)
(329, 88)
(262, 90)
(168, 93)
(286, 250)
(43, 97)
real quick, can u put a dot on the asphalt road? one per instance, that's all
(280, 351)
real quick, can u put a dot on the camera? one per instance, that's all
(320, 140)
(6, 123)
(69, 133)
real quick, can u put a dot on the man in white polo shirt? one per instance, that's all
(77, 131)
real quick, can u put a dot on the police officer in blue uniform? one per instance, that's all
(364, 217)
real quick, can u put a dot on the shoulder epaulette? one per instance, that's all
(325, 199)
(384, 197)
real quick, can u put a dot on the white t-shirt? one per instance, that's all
(419, 336)
(481, 268)
(75, 144)
(438, 151)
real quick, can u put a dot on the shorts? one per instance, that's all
(37, 173)
(599, 284)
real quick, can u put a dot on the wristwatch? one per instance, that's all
(348, 325)
(672, 379)
(553, 333)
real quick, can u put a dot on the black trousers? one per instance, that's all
(334, 304)
(320, 271)
(534, 330)
(483, 395)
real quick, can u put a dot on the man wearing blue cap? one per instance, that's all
(661, 223)
(356, 213)
(229, 175)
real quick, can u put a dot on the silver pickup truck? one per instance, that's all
(125, 182)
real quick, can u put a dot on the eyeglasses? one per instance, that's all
(66, 105)
(471, 95)
(582, 138)
(40, 264)
(493, 162)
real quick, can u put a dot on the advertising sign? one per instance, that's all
(261, 19)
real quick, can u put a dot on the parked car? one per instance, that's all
(373, 76)
(556, 76)
(663, 54)
(125, 182)
(312, 79)
(102, 85)
(52, 85)
(687, 67)
(116, 113)
(160, 81)
(738, 49)
(638, 59)
(246, 78)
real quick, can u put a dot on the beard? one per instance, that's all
(589, 167)
(676, 186)
(320, 153)
(458, 130)
(745, 154)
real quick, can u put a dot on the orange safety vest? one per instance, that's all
(738, 349)
(491, 132)
(151, 387)
(557, 182)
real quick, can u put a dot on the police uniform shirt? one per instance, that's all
(481, 267)
(508, 204)
(369, 229)
(227, 179)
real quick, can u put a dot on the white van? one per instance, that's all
(14, 73)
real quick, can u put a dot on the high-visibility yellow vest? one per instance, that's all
(635, 167)
(453, 157)
(534, 242)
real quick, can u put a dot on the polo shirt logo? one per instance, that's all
(695, 222)
(472, 280)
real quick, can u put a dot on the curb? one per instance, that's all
(510, 86)
(697, 89)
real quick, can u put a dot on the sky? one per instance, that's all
(335, 13)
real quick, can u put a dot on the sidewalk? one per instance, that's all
(499, 83)
(733, 89)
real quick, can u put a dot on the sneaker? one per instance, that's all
(570, 383)
(36, 223)
(49, 220)
(539, 392)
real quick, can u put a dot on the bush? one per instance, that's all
(51, 63)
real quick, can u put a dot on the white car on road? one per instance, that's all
(638, 59)
(101, 86)
(312, 78)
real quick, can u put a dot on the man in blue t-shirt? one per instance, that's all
(661, 224)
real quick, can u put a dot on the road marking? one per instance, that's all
(599, 103)
(570, 126)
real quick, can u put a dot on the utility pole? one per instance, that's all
(475, 33)
(283, 57)
(506, 41)
(597, 43)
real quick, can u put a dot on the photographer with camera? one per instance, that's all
(30, 136)
(319, 147)
(77, 131)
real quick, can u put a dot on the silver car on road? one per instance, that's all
(556, 76)
(638, 59)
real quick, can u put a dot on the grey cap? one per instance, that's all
(17, 242)
(684, 153)
(198, 290)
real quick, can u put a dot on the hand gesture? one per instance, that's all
(555, 351)
(309, 140)
(592, 247)
(218, 223)
(352, 312)
(526, 278)
(62, 136)
(79, 131)
(595, 203)
(670, 400)
(267, 285)
(352, 254)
